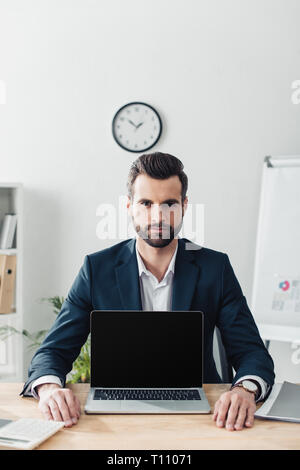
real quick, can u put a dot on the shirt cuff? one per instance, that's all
(263, 385)
(45, 379)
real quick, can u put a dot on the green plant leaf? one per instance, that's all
(80, 372)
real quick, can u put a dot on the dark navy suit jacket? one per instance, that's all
(204, 280)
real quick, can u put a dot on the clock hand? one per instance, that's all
(140, 124)
(131, 122)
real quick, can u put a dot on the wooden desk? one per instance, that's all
(151, 432)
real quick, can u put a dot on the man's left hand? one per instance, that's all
(235, 409)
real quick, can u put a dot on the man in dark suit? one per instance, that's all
(157, 270)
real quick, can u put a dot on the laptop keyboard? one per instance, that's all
(115, 394)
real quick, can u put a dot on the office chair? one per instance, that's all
(226, 368)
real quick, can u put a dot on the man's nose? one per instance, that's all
(156, 213)
(160, 213)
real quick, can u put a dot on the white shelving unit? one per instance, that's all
(11, 350)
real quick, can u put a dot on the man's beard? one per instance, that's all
(158, 239)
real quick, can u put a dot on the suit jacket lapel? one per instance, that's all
(185, 277)
(128, 277)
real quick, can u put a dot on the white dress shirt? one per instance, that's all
(155, 296)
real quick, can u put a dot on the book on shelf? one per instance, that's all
(7, 282)
(8, 231)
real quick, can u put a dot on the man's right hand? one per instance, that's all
(58, 404)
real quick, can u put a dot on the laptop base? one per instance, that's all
(147, 406)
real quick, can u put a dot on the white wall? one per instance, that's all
(220, 74)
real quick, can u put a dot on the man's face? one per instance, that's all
(156, 209)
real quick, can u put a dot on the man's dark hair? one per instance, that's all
(160, 166)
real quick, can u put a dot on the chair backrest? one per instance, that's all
(226, 368)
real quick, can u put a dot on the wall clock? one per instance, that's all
(136, 127)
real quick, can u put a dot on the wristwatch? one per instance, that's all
(250, 386)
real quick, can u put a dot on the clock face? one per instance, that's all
(136, 127)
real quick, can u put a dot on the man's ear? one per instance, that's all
(185, 206)
(128, 204)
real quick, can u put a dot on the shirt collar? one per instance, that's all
(142, 268)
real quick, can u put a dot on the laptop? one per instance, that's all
(146, 362)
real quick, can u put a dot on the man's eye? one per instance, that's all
(148, 204)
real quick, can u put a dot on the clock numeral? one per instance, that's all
(135, 146)
(128, 111)
(136, 109)
(145, 142)
(120, 136)
(151, 136)
(122, 118)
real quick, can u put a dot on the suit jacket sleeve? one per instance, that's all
(244, 347)
(69, 332)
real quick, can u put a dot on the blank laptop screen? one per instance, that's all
(133, 349)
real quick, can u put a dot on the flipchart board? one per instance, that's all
(276, 285)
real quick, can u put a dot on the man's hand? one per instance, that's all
(58, 404)
(235, 409)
